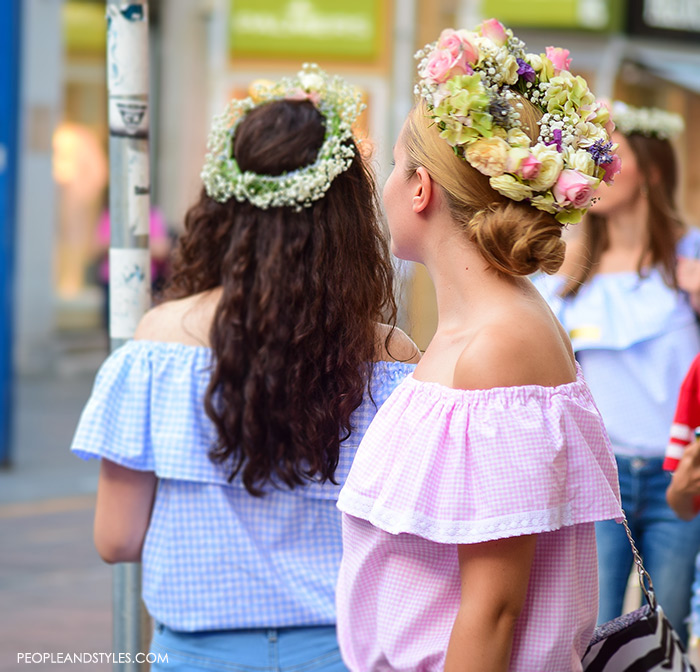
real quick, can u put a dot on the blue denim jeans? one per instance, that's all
(310, 649)
(695, 601)
(667, 544)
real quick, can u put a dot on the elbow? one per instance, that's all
(113, 550)
(504, 616)
(507, 617)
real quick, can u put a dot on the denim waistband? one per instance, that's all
(639, 464)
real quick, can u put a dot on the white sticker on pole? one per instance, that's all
(139, 189)
(129, 289)
(127, 49)
(127, 69)
(128, 118)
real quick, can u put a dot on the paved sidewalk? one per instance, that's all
(55, 591)
(46, 413)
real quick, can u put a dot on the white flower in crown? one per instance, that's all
(474, 83)
(580, 160)
(311, 81)
(338, 103)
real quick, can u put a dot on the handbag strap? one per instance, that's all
(642, 574)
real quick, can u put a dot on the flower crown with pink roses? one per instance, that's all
(473, 83)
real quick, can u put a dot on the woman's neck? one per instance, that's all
(464, 284)
(627, 228)
(627, 238)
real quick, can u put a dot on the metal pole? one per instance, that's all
(402, 74)
(129, 258)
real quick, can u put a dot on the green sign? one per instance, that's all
(594, 15)
(84, 27)
(329, 29)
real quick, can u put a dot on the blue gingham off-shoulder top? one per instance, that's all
(214, 556)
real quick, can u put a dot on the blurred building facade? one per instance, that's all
(204, 51)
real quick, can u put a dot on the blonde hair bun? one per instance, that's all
(516, 239)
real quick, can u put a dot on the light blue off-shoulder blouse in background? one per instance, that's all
(215, 557)
(635, 339)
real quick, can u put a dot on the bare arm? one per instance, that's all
(683, 492)
(123, 511)
(688, 276)
(399, 348)
(494, 577)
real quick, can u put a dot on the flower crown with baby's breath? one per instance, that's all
(650, 121)
(339, 104)
(473, 83)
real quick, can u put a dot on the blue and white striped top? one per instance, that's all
(214, 556)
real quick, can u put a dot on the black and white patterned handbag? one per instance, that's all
(641, 641)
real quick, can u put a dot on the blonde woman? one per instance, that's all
(469, 511)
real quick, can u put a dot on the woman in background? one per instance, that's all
(627, 295)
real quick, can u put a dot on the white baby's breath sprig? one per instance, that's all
(339, 103)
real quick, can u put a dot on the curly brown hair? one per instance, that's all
(294, 333)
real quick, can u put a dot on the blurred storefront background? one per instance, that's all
(202, 52)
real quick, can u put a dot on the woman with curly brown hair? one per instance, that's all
(227, 427)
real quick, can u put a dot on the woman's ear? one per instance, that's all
(423, 190)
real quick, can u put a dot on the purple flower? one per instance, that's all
(556, 135)
(600, 151)
(525, 70)
(500, 111)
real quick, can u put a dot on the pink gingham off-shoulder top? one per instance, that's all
(440, 467)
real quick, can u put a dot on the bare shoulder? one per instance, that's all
(152, 324)
(515, 352)
(398, 348)
(184, 321)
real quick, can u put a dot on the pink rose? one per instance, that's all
(459, 43)
(530, 167)
(573, 188)
(460, 66)
(559, 57)
(495, 31)
(450, 40)
(300, 94)
(612, 169)
(610, 127)
(442, 65)
(469, 49)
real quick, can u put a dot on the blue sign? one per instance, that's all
(10, 31)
